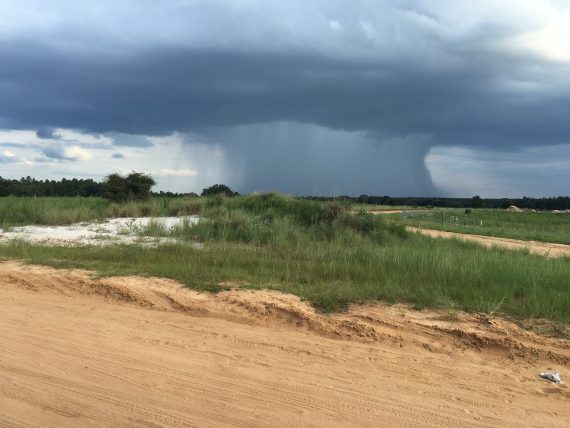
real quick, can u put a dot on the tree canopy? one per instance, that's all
(217, 189)
(28, 186)
(131, 187)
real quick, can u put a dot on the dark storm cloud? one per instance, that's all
(118, 156)
(391, 79)
(161, 91)
(128, 140)
(307, 159)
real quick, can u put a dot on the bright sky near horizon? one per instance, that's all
(327, 97)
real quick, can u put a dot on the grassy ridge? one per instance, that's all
(528, 226)
(330, 257)
(420, 271)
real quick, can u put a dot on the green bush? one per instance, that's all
(218, 189)
(132, 187)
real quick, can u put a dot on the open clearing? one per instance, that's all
(129, 351)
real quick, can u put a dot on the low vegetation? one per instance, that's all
(323, 252)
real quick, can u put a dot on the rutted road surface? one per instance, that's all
(75, 351)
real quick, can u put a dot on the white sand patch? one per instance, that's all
(126, 230)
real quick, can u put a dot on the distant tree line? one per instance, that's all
(138, 186)
(214, 190)
(116, 187)
(28, 186)
(554, 203)
(218, 189)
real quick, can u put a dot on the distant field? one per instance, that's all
(529, 226)
(322, 252)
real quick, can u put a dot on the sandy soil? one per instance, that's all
(542, 248)
(77, 351)
(384, 212)
(124, 230)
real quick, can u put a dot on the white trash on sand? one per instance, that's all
(126, 230)
(552, 376)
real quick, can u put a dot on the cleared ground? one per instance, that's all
(75, 351)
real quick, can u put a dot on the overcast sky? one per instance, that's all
(322, 97)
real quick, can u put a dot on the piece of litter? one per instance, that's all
(552, 376)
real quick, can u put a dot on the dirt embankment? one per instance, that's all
(75, 351)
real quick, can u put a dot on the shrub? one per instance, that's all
(134, 186)
(218, 189)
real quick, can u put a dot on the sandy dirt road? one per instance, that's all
(75, 351)
(543, 248)
(377, 212)
(536, 247)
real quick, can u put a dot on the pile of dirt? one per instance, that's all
(514, 209)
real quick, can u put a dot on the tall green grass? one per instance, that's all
(19, 211)
(351, 268)
(331, 257)
(31, 210)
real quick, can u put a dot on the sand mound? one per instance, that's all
(514, 209)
